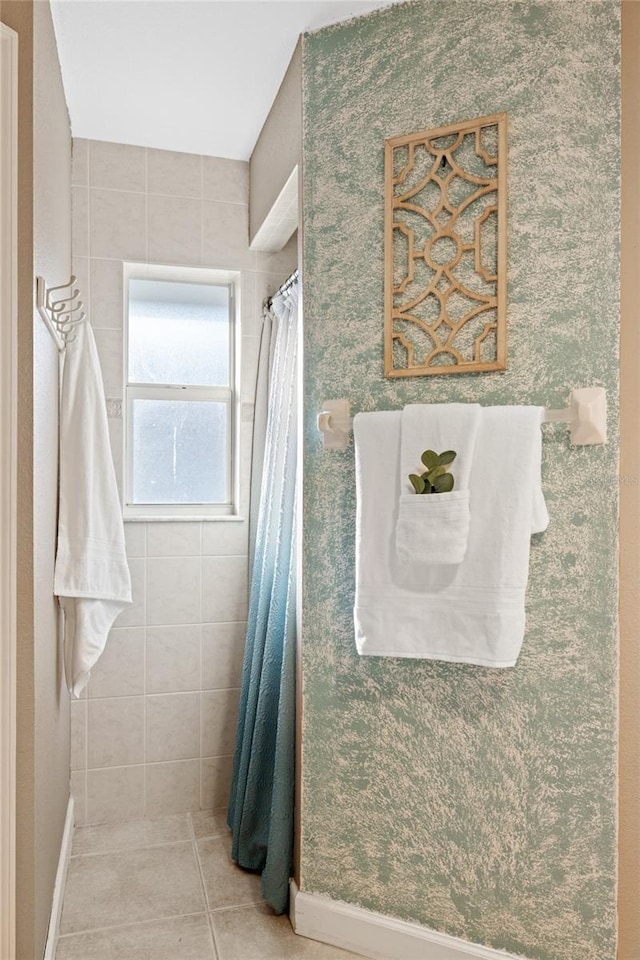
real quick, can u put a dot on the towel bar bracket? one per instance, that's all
(335, 423)
(586, 416)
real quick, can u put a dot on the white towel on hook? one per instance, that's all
(434, 528)
(91, 573)
(472, 612)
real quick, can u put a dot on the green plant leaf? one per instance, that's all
(436, 472)
(444, 483)
(417, 482)
(447, 457)
(430, 459)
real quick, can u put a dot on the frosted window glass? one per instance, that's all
(178, 333)
(179, 451)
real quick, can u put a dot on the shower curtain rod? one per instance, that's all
(282, 288)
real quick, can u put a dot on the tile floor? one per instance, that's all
(166, 889)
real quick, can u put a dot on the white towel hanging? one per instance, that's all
(91, 573)
(472, 612)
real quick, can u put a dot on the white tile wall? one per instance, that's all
(113, 793)
(117, 166)
(174, 174)
(222, 655)
(173, 787)
(174, 590)
(215, 780)
(173, 539)
(120, 670)
(218, 735)
(115, 731)
(80, 221)
(224, 180)
(154, 733)
(175, 230)
(173, 727)
(118, 228)
(109, 343)
(173, 659)
(106, 294)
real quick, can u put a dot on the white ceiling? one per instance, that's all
(198, 76)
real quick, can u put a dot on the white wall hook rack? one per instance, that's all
(61, 311)
(586, 416)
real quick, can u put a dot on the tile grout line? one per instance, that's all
(210, 909)
(131, 846)
(201, 210)
(163, 195)
(236, 906)
(165, 693)
(151, 763)
(216, 953)
(87, 725)
(186, 623)
(86, 760)
(190, 556)
(201, 699)
(146, 204)
(229, 906)
(132, 923)
(144, 679)
(171, 916)
(199, 865)
(169, 196)
(89, 251)
(90, 306)
(180, 263)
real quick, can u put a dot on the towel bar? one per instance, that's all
(586, 416)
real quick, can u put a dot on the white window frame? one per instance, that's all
(145, 391)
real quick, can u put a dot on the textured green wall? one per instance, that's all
(480, 803)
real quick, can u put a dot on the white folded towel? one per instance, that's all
(472, 612)
(434, 528)
(91, 573)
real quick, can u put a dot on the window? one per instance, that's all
(180, 392)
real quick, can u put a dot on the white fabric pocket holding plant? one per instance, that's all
(433, 529)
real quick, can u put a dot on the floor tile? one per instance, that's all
(181, 938)
(106, 837)
(210, 823)
(255, 933)
(145, 883)
(226, 884)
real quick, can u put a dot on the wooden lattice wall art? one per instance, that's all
(446, 249)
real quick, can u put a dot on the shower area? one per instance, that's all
(162, 256)
(154, 734)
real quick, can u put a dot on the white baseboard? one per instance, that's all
(376, 936)
(61, 880)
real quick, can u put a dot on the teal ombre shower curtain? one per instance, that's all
(262, 792)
